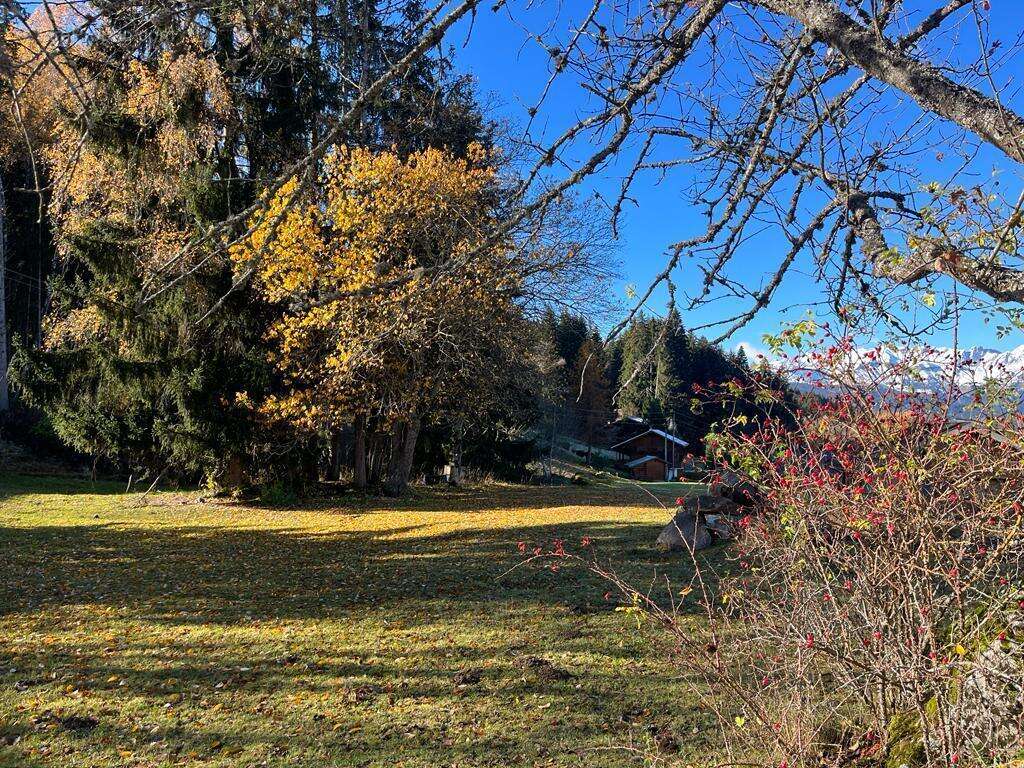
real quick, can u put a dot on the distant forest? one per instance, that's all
(655, 370)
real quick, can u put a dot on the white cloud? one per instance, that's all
(756, 354)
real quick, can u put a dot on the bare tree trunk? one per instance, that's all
(233, 475)
(402, 454)
(375, 462)
(337, 455)
(392, 481)
(4, 400)
(359, 448)
(412, 436)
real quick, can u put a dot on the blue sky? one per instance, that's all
(511, 72)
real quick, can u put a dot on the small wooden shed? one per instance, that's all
(648, 467)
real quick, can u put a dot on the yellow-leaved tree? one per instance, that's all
(394, 305)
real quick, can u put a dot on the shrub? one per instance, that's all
(881, 571)
(873, 610)
(278, 495)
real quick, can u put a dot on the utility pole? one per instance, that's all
(672, 434)
(4, 400)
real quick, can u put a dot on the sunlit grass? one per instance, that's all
(165, 631)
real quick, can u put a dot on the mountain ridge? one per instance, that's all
(922, 367)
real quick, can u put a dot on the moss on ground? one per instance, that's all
(160, 631)
(906, 743)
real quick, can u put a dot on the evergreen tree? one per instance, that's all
(24, 232)
(655, 414)
(638, 373)
(677, 356)
(664, 370)
(613, 365)
(741, 361)
(571, 333)
(148, 359)
(589, 390)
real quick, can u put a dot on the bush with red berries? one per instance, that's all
(873, 612)
(878, 596)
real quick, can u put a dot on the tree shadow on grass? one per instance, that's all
(210, 574)
(497, 497)
(373, 612)
(438, 498)
(12, 485)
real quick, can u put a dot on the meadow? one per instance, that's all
(173, 630)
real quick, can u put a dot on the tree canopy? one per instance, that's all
(427, 348)
(162, 139)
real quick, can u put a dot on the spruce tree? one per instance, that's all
(663, 370)
(150, 358)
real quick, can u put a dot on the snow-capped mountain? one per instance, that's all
(919, 368)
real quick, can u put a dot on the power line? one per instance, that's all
(11, 271)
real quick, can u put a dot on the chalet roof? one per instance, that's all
(995, 432)
(660, 433)
(644, 460)
(630, 419)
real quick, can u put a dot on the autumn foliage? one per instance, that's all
(393, 304)
(877, 611)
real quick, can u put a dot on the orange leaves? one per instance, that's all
(73, 328)
(285, 246)
(173, 110)
(388, 293)
(176, 79)
(385, 281)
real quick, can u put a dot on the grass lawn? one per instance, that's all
(165, 631)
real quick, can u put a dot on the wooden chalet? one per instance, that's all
(652, 454)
